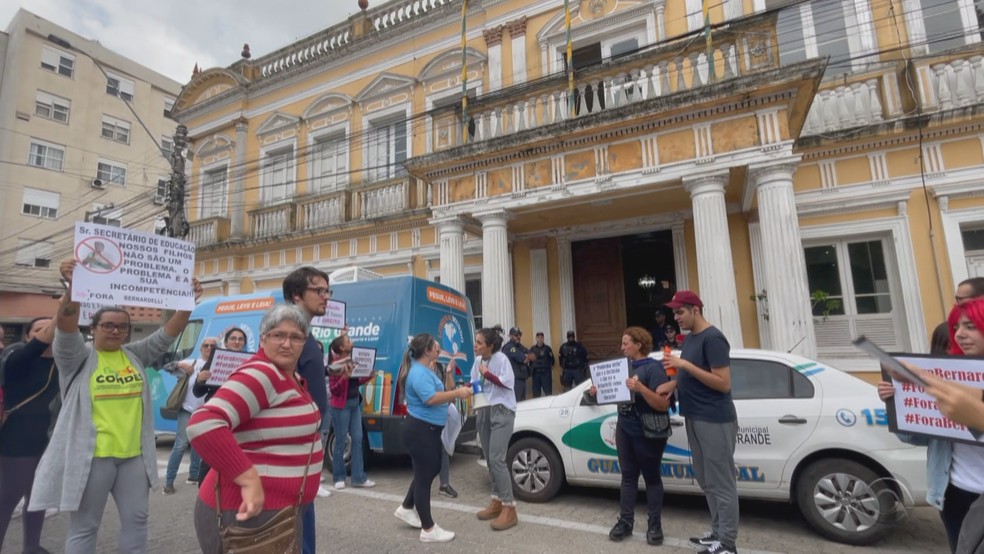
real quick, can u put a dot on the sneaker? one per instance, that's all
(323, 492)
(654, 535)
(448, 491)
(704, 540)
(191, 481)
(621, 530)
(436, 534)
(367, 484)
(719, 548)
(339, 485)
(168, 489)
(482, 462)
(409, 515)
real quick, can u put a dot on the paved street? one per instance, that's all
(362, 521)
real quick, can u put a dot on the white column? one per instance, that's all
(497, 285)
(540, 292)
(784, 265)
(451, 236)
(566, 268)
(758, 277)
(715, 265)
(680, 258)
(237, 223)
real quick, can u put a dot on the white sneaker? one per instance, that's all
(339, 485)
(323, 492)
(409, 516)
(367, 484)
(482, 462)
(436, 534)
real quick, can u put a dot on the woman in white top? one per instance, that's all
(190, 404)
(495, 423)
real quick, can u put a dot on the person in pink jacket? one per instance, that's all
(346, 415)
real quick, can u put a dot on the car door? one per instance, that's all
(778, 409)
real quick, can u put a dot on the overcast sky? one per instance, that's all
(171, 36)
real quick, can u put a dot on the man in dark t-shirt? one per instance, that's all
(703, 387)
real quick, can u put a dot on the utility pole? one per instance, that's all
(175, 223)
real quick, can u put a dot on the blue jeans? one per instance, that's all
(177, 452)
(347, 421)
(308, 530)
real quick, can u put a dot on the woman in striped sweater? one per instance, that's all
(260, 434)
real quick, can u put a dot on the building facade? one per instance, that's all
(810, 168)
(71, 149)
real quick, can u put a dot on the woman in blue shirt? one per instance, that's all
(427, 406)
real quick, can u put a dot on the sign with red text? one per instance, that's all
(334, 317)
(222, 363)
(914, 411)
(365, 361)
(122, 267)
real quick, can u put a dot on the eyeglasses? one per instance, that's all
(110, 327)
(279, 337)
(321, 291)
(208, 346)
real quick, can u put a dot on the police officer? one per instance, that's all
(520, 357)
(573, 362)
(542, 367)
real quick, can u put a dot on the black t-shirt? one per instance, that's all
(706, 349)
(651, 374)
(26, 432)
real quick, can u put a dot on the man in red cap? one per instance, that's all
(703, 385)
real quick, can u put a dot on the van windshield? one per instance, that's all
(185, 345)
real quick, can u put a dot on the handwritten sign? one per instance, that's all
(914, 411)
(334, 317)
(123, 267)
(365, 361)
(610, 377)
(222, 363)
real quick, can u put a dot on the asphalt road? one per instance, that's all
(361, 520)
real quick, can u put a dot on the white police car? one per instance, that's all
(807, 433)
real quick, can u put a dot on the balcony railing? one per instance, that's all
(272, 221)
(953, 81)
(206, 232)
(385, 198)
(867, 99)
(325, 210)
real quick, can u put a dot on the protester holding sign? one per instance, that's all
(954, 470)
(104, 439)
(346, 416)
(188, 407)
(640, 447)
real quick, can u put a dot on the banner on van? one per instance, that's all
(251, 305)
(122, 267)
(446, 298)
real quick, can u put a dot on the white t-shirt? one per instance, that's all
(500, 367)
(192, 402)
(967, 467)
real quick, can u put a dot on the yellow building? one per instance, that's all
(830, 146)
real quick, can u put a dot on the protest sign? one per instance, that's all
(914, 411)
(610, 377)
(222, 363)
(365, 361)
(123, 267)
(334, 317)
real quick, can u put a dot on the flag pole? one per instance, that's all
(464, 73)
(570, 60)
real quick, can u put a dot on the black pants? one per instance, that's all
(956, 502)
(519, 387)
(423, 442)
(542, 382)
(639, 455)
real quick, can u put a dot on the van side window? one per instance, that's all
(184, 347)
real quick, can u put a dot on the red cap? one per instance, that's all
(684, 297)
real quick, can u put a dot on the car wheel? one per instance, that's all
(846, 501)
(330, 447)
(536, 470)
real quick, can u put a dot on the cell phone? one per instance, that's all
(888, 361)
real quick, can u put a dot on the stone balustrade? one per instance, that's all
(953, 83)
(845, 107)
(210, 231)
(272, 221)
(322, 211)
(385, 199)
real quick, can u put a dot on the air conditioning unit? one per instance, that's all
(97, 183)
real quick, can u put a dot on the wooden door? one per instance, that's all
(599, 296)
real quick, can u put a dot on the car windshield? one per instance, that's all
(185, 345)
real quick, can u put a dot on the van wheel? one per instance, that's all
(846, 501)
(536, 470)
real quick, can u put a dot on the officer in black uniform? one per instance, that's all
(520, 357)
(573, 362)
(542, 367)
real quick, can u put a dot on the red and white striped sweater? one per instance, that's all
(259, 418)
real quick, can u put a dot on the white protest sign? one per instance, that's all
(914, 411)
(334, 316)
(609, 377)
(222, 363)
(365, 361)
(122, 267)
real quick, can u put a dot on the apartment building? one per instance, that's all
(72, 148)
(812, 169)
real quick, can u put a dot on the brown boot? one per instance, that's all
(492, 512)
(506, 519)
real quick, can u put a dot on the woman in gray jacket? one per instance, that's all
(103, 442)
